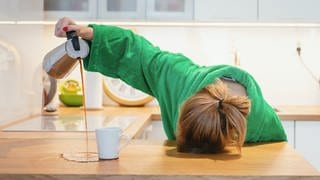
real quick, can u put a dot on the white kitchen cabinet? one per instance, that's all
(30, 10)
(76, 9)
(289, 127)
(12, 10)
(121, 9)
(8, 10)
(308, 141)
(225, 10)
(171, 10)
(289, 10)
(154, 131)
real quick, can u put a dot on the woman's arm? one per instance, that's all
(114, 52)
(120, 53)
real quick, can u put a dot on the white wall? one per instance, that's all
(268, 53)
(20, 92)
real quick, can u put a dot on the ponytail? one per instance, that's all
(212, 119)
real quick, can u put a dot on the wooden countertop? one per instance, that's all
(39, 158)
(36, 155)
(300, 113)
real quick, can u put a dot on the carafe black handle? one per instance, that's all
(74, 39)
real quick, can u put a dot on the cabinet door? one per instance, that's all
(226, 10)
(30, 10)
(76, 9)
(170, 10)
(8, 10)
(122, 9)
(290, 131)
(13, 10)
(308, 141)
(289, 10)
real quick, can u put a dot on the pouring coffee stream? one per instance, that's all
(58, 63)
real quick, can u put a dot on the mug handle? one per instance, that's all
(127, 139)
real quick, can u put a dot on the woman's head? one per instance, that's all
(211, 119)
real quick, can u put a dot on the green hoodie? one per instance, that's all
(171, 78)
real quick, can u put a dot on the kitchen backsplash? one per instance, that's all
(20, 70)
(268, 53)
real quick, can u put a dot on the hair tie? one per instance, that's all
(223, 119)
(220, 103)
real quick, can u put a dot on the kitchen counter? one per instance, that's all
(37, 155)
(147, 114)
(134, 120)
(300, 113)
(39, 158)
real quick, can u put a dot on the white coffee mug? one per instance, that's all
(108, 142)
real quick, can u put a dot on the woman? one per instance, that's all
(203, 108)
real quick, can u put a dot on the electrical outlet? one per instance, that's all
(299, 52)
(298, 49)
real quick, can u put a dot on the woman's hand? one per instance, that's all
(66, 24)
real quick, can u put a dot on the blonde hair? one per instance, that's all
(211, 119)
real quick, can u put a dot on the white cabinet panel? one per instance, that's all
(308, 141)
(170, 10)
(77, 9)
(153, 132)
(30, 10)
(290, 131)
(8, 10)
(225, 10)
(289, 10)
(11, 10)
(122, 9)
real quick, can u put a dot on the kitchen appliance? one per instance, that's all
(63, 59)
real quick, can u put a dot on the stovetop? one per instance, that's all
(71, 123)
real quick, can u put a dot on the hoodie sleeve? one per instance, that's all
(120, 53)
(169, 77)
